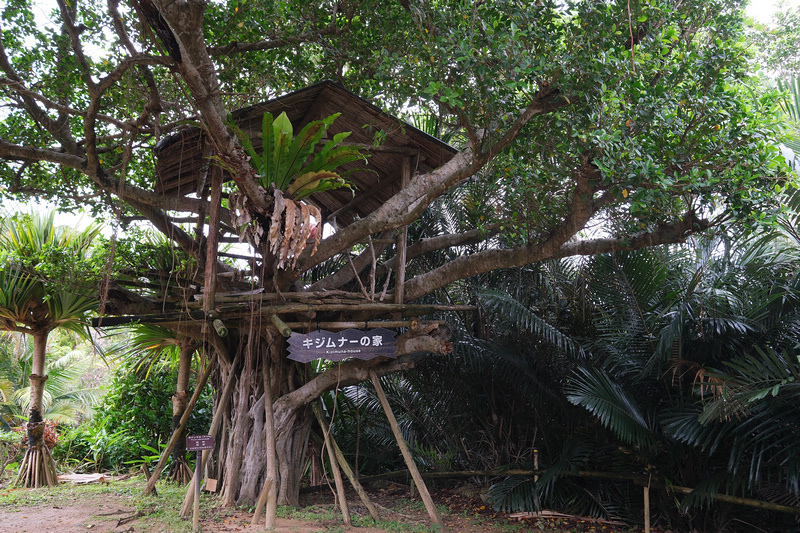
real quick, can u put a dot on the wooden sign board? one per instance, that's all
(199, 442)
(332, 346)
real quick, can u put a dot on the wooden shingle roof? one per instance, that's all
(182, 159)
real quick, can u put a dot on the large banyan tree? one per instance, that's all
(580, 127)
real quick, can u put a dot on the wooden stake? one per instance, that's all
(412, 467)
(646, 509)
(373, 511)
(196, 485)
(262, 500)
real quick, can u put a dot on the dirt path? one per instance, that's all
(118, 506)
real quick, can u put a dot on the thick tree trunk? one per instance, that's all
(245, 451)
(242, 449)
(38, 468)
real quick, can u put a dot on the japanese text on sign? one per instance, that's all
(337, 346)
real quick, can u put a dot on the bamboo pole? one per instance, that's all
(748, 502)
(336, 326)
(284, 330)
(636, 478)
(239, 311)
(181, 425)
(373, 511)
(412, 467)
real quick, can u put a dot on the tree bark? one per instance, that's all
(180, 471)
(243, 449)
(245, 458)
(38, 468)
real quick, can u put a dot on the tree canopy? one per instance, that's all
(575, 112)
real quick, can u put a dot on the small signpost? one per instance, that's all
(197, 443)
(321, 344)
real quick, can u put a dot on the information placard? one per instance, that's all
(341, 345)
(199, 442)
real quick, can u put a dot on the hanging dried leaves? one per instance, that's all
(292, 225)
(291, 228)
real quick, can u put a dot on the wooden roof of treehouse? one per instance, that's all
(183, 158)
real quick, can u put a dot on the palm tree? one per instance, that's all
(41, 289)
(66, 401)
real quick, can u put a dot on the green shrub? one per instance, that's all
(12, 444)
(132, 422)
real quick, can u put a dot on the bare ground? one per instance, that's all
(118, 506)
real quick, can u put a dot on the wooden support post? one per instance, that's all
(402, 241)
(269, 493)
(212, 243)
(373, 511)
(647, 509)
(337, 479)
(151, 484)
(196, 485)
(412, 467)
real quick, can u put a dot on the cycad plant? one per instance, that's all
(652, 327)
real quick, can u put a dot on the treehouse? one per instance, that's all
(241, 311)
(394, 151)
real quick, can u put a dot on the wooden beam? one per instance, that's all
(365, 324)
(228, 313)
(359, 199)
(387, 149)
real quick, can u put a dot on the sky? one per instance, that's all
(762, 10)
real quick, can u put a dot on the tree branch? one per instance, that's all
(582, 208)
(269, 44)
(412, 200)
